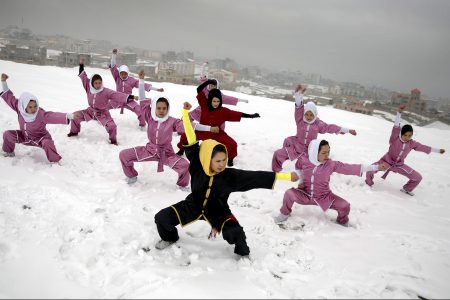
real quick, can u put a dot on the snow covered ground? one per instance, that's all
(439, 125)
(77, 230)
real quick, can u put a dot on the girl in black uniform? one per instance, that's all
(211, 184)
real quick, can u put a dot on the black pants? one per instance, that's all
(166, 221)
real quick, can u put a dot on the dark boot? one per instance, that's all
(72, 134)
(241, 248)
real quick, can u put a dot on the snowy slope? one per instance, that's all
(83, 234)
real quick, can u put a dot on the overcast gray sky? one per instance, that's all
(397, 44)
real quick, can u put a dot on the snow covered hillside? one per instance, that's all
(77, 230)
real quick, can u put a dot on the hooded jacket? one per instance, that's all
(33, 127)
(215, 116)
(316, 176)
(99, 99)
(210, 192)
(127, 85)
(308, 131)
(159, 130)
(399, 150)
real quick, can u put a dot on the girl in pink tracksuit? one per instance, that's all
(159, 147)
(125, 84)
(195, 114)
(400, 144)
(314, 188)
(308, 128)
(32, 120)
(98, 99)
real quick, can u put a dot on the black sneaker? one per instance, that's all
(241, 248)
(72, 134)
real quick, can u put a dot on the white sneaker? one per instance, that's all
(131, 180)
(185, 188)
(280, 218)
(56, 163)
(406, 192)
(9, 154)
(163, 244)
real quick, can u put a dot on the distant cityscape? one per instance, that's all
(21, 45)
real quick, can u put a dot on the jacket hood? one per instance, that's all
(24, 99)
(206, 149)
(313, 151)
(153, 110)
(214, 93)
(310, 106)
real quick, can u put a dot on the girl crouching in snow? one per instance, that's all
(159, 147)
(314, 188)
(308, 128)
(125, 84)
(212, 183)
(32, 120)
(400, 144)
(98, 100)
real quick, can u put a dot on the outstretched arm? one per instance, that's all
(141, 85)
(344, 130)
(252, 116)
(398, 117)
(298, 95)
(113, 65)
(247, 180)
(113, 58)
(205, 84)
(436, 150)
(190, 133)
(204, 72)
(4, 83)
(396, 129)
(8, 95)
(83, 76)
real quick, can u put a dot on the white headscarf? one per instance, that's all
(24, 99)
(313, 152)
(92, 89)
(124, 68)
(310, 106)
(153, 110)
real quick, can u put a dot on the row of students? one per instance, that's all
(314, 169)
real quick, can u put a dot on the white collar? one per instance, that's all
(93, 90)
(153, 110)
(24, 99)
(313, 152)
